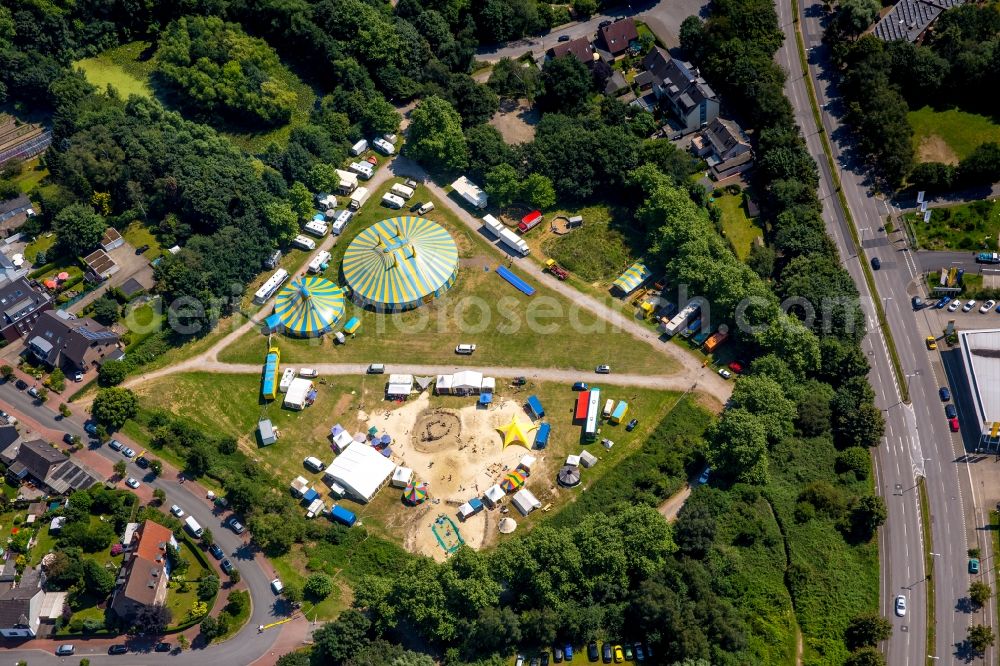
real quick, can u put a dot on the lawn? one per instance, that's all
(598, 251)
(973, 226)
(31, 176)
(949, 136)
(736, 226)
(137, 235)
(44, 543)
(41, 244)
(123, 68)
(510, 328)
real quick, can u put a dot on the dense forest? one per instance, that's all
(882, 81)
(780, 541)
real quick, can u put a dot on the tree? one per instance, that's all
(585, 7)
(106, 310)
(282, 220)
(120, 469)
(159, 495)
(980, 593)
(235, 576)
(695, 529)
(318, 586)
(567, 85)
(503, 184)
(207, 538)
(855, 460)
(78, 229)
(99, 581)
(868, 516)
(867, 630)
(763, 397)
(155, 466)
(153, 619)
(474, 102)
(538, 191)
(980, 167)
(738, 447)
(980, 638)
(867, 656)
(435, 136)
(112, 372)
(293, 592)
(854, 16)
(513, 79)
(114, 406)
(337, 641)
(301, 201)
(7, 372)
(293, 659)
(210, 628)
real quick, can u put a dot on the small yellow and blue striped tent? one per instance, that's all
(399, 263)
(309, 306)
(631, 279)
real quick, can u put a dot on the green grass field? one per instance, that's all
(510, 329)
(31, 176)
(959, 131)
(598, 251)
(137, 235)
(123, 68)
(41, 244)
(736, 226)
(973, 226)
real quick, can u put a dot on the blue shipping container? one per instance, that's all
(342, 515)
(542, 436)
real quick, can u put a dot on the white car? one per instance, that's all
(901, 606)
(955, 304)
(131, 483)
(177, 511)
(987, 306)
(724, 373)
(277, 586)
(969, 305)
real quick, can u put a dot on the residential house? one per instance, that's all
(46, 466)
(725, 148)
(618, 37)
(579, 48)
(62, 341)
(100, 266)
(13, 213)
(111, 239)
(910, 19)
(679, 86)
(20, 606)
(142, 580)
(20, 305)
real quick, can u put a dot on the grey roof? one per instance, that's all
(981, 355)
(51, 467)
(131, 286)
(12, 207)
(683, 84)
(55, 339)
(15, 602)
(908, 19)
(615, 83)
(18, 299)
(724, 135)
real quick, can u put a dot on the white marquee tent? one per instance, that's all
(525, 501)
(361, 470)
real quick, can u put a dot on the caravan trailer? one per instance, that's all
(402, 191)
(360, 147)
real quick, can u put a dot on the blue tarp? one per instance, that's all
(535, 405)
(542, 436)
(486, 398)
(272, 323)
(386, 452)
(518, 283)
(310, 495)
(476, 504)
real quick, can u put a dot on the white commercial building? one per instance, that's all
(471, 192)
(981, 357)
(361, 470)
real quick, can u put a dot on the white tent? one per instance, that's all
(525, 501)
(572, 460)
(299, 486)
(465, 511)
(494, 494)
(401, 477)
(527, 460)
(342, 440)
(489, 385)
(399, 386)
(443, 384)
(588, 459)
(297, 392)
(467, 381)
(361, 470)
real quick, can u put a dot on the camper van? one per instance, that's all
(304, 243)
(392, 201)
(360, 147)
(320, 260)
(340, 222)
(383, 146)
(308, 373)
(363, 169)
(359, 197)
(402, 191)
(316, 228)
(313, 464)
(193, 527)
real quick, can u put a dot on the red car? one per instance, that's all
(953, 422)
(736, 367)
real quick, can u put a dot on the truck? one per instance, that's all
(530, 221)
(511, 240)
(681, 319)
(552, 267)
(193, 527)
(359, 197)
(988, 258)
(715, 340)
(342, 515)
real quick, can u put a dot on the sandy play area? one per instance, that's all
(459, 453)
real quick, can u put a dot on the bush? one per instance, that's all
(856, 460)
(318, 586)
(208, 587)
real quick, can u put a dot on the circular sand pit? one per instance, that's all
(436, 430)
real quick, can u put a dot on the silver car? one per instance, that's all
(901, 606)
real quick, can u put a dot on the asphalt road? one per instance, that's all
(919, 442)
(243, 648)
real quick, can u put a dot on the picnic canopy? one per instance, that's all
(309, 306)
(513, 481)
(632, 278)
(507, 525)
(400, 263)
(569, 476)
(415, 493)
(516, 432)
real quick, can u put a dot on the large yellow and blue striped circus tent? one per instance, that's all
(309, 306)
(399, 263)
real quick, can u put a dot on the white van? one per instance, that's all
(308, 373)
(193, 526)
(426, 208)
(313, 464)
(465, 349)
(392, 201)
(402, 191)
(608, 407)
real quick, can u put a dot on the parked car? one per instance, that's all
(568, 652)
(21, 385)
(118, 648)
(592, 653)
(737, 366)
(953, 424)
(544, 659)
(876, 263)
(226, 565)
(631, 425)
(954, 305)
(216, 551)
(376, 369)
(7, 418)
(703, 479)
(931, 342)
(519, 661)
(131, 483)
(535, 661)
(640, 654)
(33, 392)
(128, 453)
(563, 38)
(90, 428)
(162, 647)
(235, 525)
(115, 445)
(945, 300)
(277, 586)
(410, 183)
(68, 438)
(619, 655)
(950, 411)
(724, 373)
(917, 303)
(77, 376)
(605, 24)
(944, 393)
(177, 511)
(606, 653)
(603, 370)
(141, 249)
(974, 565)
(581, 386)
(628, 652)
(557, 654)
(901, 606)
(987, 306)
(65, 650)
(142, 461)
(971, 303)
